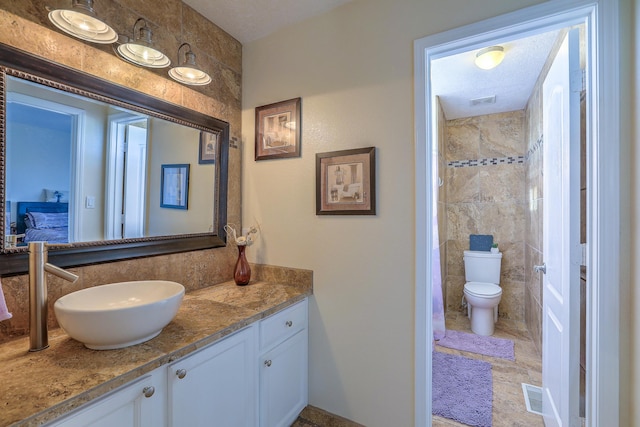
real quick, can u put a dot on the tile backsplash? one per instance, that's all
(26, 27)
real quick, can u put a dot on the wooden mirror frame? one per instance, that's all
(24, 65)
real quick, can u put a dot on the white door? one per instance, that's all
(125, 193)
(135, 182)
(561, 236)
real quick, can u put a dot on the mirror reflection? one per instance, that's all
(81, 170)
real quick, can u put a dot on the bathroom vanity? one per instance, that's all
(236, 355)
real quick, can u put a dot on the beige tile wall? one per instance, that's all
(486, 200)
(534, 200)
(442, 199)
(533, 229)
(25, 26)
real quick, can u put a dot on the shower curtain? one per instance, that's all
(436, 274)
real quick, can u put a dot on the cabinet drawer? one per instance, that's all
(280, 326)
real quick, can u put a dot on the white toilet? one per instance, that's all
(482, 291)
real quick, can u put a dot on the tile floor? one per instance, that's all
(316, 417)
(509, 408)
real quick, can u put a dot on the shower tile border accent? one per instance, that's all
(488, 161)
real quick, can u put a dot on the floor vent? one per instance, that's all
(533, 398)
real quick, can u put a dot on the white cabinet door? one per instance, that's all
(283, 381)
(217, 385)
(138, 404)
(283, 364)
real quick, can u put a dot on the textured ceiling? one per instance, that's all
(249, 20)
(455, 79)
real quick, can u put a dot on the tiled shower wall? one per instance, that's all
(442, 198)
(533, 224)
(485, 194)
(25, 26)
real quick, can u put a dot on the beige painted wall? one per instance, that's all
(353, 68)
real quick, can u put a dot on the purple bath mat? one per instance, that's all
(489, 346)
(462, 389)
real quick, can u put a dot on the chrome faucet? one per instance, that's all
(38, 308)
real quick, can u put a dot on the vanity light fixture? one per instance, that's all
(80, 21)
(489, 57)
(140, 50)
(187, 71)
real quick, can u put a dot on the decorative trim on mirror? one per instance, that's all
(26, 66)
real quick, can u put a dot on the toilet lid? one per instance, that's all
(481, 289)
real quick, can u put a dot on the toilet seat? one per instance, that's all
(482, 290)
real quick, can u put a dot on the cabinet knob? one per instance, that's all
(267, 363)
(289, 323)
(181, 373)
(148, 391)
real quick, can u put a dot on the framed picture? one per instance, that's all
(346, 182)
(208, 147)
(174, 186)
(278, 130)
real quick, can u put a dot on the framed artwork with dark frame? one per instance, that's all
(174, 186)
(278, 130)
(346, 182)
(208, 147)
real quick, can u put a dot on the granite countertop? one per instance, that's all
(38, 387)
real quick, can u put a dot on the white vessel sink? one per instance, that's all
(119, 314)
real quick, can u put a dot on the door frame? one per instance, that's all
(604, 146)
(78, 120)
(113, 187)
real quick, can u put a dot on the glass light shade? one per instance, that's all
(190, 76)
(489, 57)
(80, 21)
(140, 52)
(145, 56)
(188, 72)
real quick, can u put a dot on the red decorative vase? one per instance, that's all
(242, 272)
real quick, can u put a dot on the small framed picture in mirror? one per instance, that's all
(174, 186)
(208, 147)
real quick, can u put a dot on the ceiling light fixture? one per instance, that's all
(80, 21)
(187, 71)
(140, 50)
(489, 57)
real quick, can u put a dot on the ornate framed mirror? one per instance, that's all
(84, 166)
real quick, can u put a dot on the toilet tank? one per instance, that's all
(482, 266)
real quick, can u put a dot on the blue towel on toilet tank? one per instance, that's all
(480, 242)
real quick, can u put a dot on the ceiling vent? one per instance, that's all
(483, 101)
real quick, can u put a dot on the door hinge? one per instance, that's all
(583, 261)
(578, 81)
